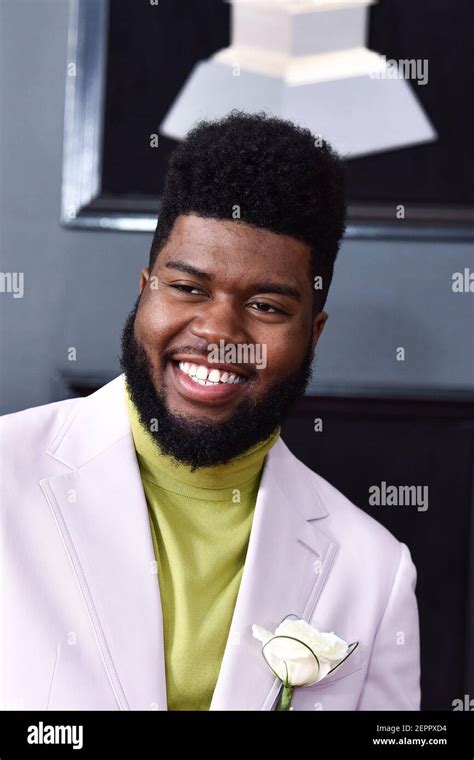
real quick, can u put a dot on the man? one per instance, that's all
(147, 528)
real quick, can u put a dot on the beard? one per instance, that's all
(203, 442)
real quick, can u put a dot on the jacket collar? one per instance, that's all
(101, 513)
(98, 421)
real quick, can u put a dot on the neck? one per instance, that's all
(163, 469)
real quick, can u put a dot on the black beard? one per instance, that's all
(201, 442)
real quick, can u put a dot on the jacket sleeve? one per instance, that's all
(393, 677)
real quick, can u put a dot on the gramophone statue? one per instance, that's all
(306, 61)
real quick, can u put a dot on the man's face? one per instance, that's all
(223, 284)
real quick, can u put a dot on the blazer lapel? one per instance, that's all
(287, 564)
(101, 513)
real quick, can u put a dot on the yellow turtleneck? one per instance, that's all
(200, 523)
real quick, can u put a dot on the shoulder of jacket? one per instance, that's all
(348, 522)
(37, 422)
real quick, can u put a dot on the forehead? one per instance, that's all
(226, 247)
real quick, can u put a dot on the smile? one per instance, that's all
(204, 384)
(207, 376)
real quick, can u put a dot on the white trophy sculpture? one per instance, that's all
(307, 62)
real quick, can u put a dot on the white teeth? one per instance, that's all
(202, 372)
(205, 376)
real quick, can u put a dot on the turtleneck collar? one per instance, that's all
(169, 474)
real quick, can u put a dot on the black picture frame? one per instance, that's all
(87, 204)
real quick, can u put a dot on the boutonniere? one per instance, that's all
(300, 655)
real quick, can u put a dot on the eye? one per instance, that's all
(188, 289)
(266, 308)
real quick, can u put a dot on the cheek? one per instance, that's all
(283, 355)
(281, 361)
(154, 324)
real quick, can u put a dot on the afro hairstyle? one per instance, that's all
(279, 176)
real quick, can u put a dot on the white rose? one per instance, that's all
(304, 655)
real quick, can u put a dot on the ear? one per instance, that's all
(144, 277)
(319, 320)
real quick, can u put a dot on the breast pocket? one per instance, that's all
(340, 690)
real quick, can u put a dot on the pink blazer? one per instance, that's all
(80, 611)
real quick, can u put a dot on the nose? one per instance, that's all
(219, 319)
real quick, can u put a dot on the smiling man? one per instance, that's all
(216, 282)
(150, 526)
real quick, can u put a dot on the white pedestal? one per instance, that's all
(307, 62)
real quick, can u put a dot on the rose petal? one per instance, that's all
(261, 633)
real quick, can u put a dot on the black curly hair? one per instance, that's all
(280, 176)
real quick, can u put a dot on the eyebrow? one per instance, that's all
(258, 287)
(181, 266)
